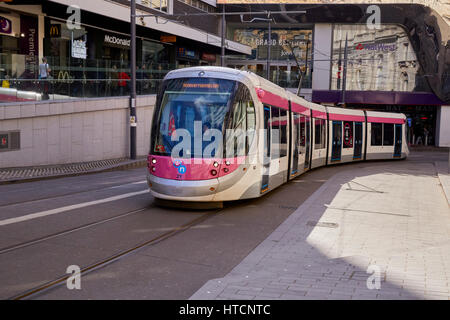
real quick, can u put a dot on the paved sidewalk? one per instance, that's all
(9, 175)
(394, 219)
(443, 172)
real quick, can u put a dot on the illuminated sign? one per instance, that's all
(117, 41)
(55, 31)
(5, 25)
(79, 49)
(201, 85)
(377, 47)
(209, 57)
(168, 38)
(186, 53)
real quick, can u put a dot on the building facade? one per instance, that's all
(329, 53)
(88, 50)
(400, 65)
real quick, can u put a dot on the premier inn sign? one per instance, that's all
(121, 42)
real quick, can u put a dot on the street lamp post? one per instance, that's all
(269, 20)
(344, 80)
(133, 121)
(268, 50)
(222, 57)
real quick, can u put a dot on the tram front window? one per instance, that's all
(191, 108)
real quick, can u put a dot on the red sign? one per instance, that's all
(209, 57)
(4, 141)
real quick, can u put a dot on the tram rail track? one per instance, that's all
(67, 231)
(68, 194)
(119, 255)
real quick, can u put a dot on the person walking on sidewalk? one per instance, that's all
(123, 82)
(44, 73)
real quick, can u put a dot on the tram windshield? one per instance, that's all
(188, 108)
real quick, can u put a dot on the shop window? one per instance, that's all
(388, 134)
(376, 134)
(155, 4)
(199, 5)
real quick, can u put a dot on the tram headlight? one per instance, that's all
(216, 164)
(153, 169)
(214, 172)
(154, 161)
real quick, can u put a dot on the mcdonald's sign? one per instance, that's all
(55, 31)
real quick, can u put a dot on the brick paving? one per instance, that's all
(395, 219)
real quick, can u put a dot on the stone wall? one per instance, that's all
(70, 131)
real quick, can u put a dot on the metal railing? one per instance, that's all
(21, 90)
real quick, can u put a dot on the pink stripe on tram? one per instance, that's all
(272, 99)
(346, 117)
(319, 114)
(295, 107)
(385, 120)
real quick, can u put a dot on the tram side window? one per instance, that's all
(376, 134)
(276, 133)
(388, 134)
(319, 134)
(241, 125)
(297, 130)
(302, 139)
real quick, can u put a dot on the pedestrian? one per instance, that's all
(114, 80)
(6, 83)
(426, 133)
(78, 81)
(123, 82)
(44, 73)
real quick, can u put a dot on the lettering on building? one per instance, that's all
(117, 41)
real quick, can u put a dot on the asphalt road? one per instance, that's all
(86, 219)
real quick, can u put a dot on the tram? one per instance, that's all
(221, 134)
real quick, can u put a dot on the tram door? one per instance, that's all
(307, 141)
(358, 140)
(267, 155)
(398, 140)
(295, 143)
(336, 149)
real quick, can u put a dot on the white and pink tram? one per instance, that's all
(267, 136)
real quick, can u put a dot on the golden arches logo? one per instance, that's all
(54, 30)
